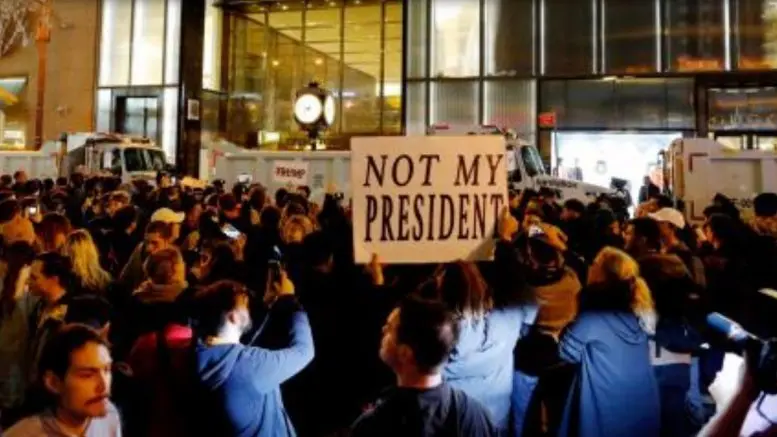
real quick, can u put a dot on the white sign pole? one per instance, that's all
(427, 199)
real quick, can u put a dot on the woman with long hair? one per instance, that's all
(83, 254)
(481, 364)
(615, 390)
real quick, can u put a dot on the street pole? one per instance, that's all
(42, 38)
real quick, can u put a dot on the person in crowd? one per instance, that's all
(604, 231)
(16, 307)
(121, 239)
(648, 190)
(50, 279)
(192, 210)
(554, 285)
(160, 356)
(672, 225)
(609, 344)
(89, 274)
(14, 226)
(52, 232)
(159, 235)
(75, 371)
(481, 361)
(679, 310)
(218, 260)
(90, 310)
(230, 208)
(240, 384)
(572, 223)
(418, 337)
(155, 302)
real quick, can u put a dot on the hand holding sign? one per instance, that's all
(427, 199)
(508, 225)
(375, 269)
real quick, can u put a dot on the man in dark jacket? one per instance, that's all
(239, 385)
(417, 339)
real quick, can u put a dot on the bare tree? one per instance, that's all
(14, 22)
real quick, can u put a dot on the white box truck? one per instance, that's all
(698, 168)
(224, 160)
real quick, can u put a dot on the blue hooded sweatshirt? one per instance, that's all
(481, 364)
(615, 392)
(240, 385)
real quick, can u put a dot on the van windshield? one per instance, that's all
(532, 161)
(138, 159)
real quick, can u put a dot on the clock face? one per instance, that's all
(308, 109)
(329, 110)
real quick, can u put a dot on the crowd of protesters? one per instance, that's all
(167, 310)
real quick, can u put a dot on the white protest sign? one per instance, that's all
(290, 172)
(427, 199)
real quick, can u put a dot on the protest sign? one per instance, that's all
(427, 199)
(290, 172)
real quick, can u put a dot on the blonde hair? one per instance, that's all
(82, 252)
(297, 222)
(614, 266)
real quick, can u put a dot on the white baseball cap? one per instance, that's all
(669, 215)
(167, 215)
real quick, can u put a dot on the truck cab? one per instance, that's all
(525, 169)
(120, 155)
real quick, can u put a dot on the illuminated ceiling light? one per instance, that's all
(276, 63)
(319, 61)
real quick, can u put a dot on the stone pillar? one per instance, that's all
(192, 33)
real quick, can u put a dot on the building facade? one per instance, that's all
(71, 61)
(563, 73)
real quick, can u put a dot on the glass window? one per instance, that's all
(749, 109)
(568, 33)
(510, 104)
(362, 59)
(322, 39)
(170, 123)
(417, 42)
(680, 113)
(620, 104)
(104, 110)
(641, 103)
(211, 48)
(392, 69)
(173, 42)
(694, 35)
(115, 43)
(148, 41)
(509, 34)
(631, 35)
(755, 22)
(455, 38)
(285, 76)
(14, 112)
(415, 108)
(455, 103)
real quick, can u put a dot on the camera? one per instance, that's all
(762, 354)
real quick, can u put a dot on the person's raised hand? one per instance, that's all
(508, 225)
(283, 286)
(375, 269)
